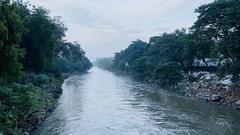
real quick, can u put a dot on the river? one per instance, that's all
(104, 103)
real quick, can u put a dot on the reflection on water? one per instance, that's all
(102, 103)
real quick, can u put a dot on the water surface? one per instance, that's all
(103, 103)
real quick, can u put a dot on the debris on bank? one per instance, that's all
(210, 88)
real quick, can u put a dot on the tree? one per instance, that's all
(40, 41)
(167, 48)
(142, 68)
(11, 30)
(70, 57)
(190, 51)
(127, 57)
(146, 61)
(218, 23)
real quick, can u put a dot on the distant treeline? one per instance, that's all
(214, 40)
(104, 63)
(33, 55)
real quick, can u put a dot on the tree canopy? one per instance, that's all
(30, 40)
(11, 31)
(213, 37)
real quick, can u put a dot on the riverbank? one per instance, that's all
(27, 103)
(49, 90)
(209, 87)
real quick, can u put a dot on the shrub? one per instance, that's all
(168, 74)
(16, 101)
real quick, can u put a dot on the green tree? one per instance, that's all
(40, 41)
(142, 68)
(163, 54)
(218, 24)
(167, 48)
(125, 59)
(11, 30)
(70, 57)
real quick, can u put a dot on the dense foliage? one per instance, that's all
(125, 59)
(213, 41)
(32, 54)
(159, 60)
(69, 58)
(11, 30)
(39, 41)
(218, 26)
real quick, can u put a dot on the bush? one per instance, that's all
(168, 74)
(22, 105)
(16, 102)
(37, 80)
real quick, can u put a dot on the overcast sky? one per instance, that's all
(104, 27)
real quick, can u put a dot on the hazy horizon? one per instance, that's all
(103, 28)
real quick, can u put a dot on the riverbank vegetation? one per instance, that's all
(211, 45)
(33, 56)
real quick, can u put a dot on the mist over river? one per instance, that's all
(104, 103)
